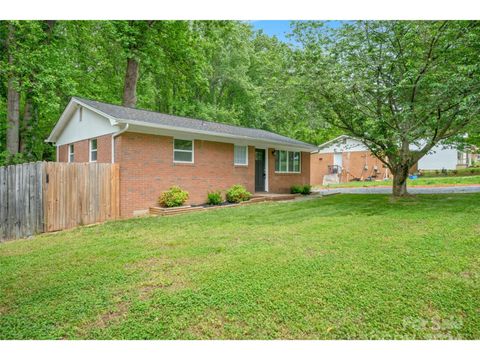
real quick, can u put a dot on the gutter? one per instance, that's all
(114, 135)
(306, 147)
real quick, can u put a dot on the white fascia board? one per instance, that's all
(146, 127)
(60, 123)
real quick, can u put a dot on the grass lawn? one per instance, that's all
(340, 267)
(439, 181)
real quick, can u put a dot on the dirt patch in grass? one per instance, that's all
(210, 326)
(160, 273)
(215, 324)
(310, 252)
(112, 316)
(105, 320)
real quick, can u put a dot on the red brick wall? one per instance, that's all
(104, 150)
(353, 164)
(147, 169)
(281, 183)
(62, 153)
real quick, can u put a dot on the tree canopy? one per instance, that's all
(400, 86)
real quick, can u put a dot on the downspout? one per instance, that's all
(113, 140)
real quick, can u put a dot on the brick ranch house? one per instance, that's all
(346, 158)
(156, 151)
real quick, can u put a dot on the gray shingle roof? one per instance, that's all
(151, 117)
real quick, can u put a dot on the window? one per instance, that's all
(183, 151)
(71, 153)
(93, 150)
(240, 155)
(287, 161)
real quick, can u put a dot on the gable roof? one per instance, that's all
(337, 139)
(122, 114)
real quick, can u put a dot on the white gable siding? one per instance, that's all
(91, 125)
(350, 145)
(439, 158)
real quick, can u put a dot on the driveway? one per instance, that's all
(411, 190)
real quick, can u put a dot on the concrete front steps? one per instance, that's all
(256, 198)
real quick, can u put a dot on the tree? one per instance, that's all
(400, 86)
(145, 41)
(134, 37)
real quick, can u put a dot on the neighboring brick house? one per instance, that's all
(156, 151)
(345, 158)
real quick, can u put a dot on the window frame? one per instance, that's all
(246, 155)
(71, 154)
(185, 151)
(90, 150)
(277, 160)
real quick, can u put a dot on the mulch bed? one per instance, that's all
(161, 211)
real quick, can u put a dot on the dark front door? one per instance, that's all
(260, 170)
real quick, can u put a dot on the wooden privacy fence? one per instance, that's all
(48, 196)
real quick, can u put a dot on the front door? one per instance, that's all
(260, 170)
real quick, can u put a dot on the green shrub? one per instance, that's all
(306, 189)
(301, 189)
(214, 198)
(296, 189)
(174, 196)
(237, 193)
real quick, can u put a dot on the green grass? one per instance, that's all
(340, 267)
(458, 172)
(422, 181)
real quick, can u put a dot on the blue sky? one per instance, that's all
(273, 27)
(280, 28)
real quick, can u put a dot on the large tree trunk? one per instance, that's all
(400, 177)
(13, 98)
(130, 85)
(13, 115)
(26, 127)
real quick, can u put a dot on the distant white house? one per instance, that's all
(445, 157)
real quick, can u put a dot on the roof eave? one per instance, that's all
(305, 147)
